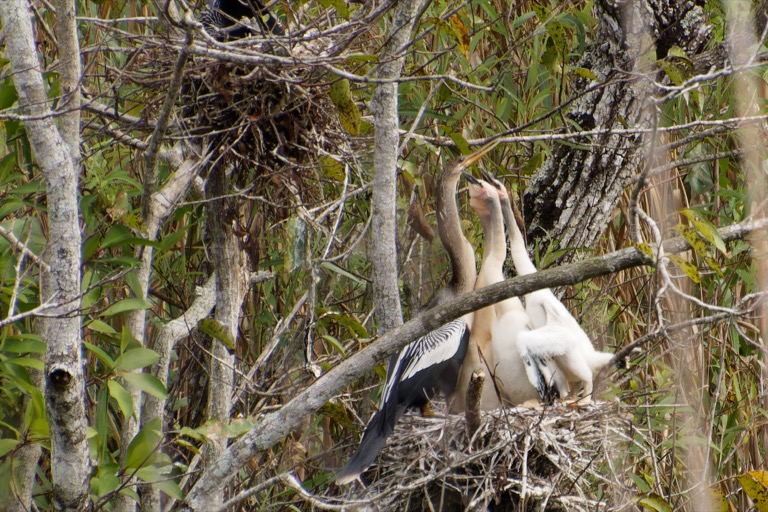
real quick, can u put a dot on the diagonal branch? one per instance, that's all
(271, 428)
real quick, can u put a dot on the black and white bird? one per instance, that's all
(556, 344)
(224, 19)
(431, 363)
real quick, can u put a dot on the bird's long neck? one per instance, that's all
(495, 250)
(494, 255)
(456, 244)
(523, 263)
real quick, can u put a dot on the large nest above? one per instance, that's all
(555, 459)
(258, 116)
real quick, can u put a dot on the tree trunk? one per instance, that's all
(386, 289)
(57, 154)
(161, 204)
(229, 262)
(574, 195)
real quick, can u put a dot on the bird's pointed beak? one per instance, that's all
(490, 178)
(470, 178)
(480, 153)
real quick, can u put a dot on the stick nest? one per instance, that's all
(258, 120)
(556, 459)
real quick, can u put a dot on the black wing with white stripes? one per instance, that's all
(415, 374)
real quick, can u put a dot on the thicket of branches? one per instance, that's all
(233, 201)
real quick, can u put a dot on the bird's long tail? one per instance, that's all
(376, 432)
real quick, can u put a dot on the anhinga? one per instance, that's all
(432, 362)
(226, 15)
(496, 328)
(556, 338)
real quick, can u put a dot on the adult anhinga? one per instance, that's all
(226, 15)
(500, 353)
(556, 338)
(432, 362)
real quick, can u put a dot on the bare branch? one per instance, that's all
(274, 426)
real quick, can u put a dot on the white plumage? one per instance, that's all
(496, 328)
(556, 339)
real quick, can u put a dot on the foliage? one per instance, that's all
(695, 392)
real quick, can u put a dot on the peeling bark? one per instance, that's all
(573, 196)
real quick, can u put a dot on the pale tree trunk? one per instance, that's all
(162, 203)
(573, 196)
(56, 152)
(386, 291)
(229, 262)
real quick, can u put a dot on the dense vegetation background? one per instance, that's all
(250, 215)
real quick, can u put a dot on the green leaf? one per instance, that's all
(341, 7)
(349, 114)
(170, 487)
(122, 397)
(126, 305)
(157, 475)
(127, 341)
(716, 500)
(106, 481)
(116, 235)
(136, 358)
(133, 283)
(27, 362)
(7, 445)
(655, 502)
(338, 414)
(347, 321)
(171, 239)
(331, 168)
(147, 383)
(103, 356)
(335, 344)
(706, 229)
(102, 422)
(585, 73)
(693, 238)
(144, 444)
(7, 95)
(102, 327)
(362, 57)
(459, 140)
(335, 268)
(24, 344)
(217, 331)
(40, 431)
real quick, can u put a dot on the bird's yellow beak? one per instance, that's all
(480, 153)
